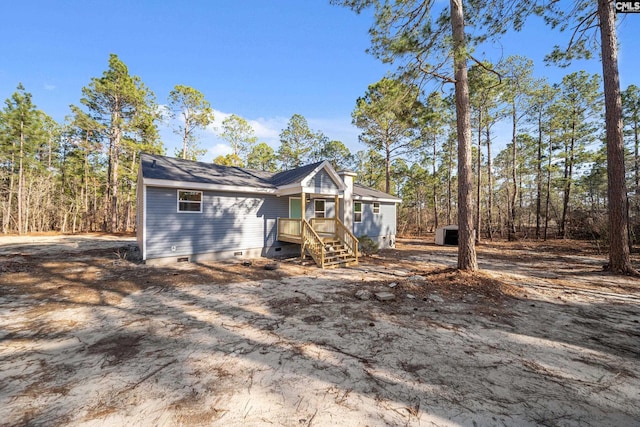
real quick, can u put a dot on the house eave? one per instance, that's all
(376, 199)
(294, 189)
(151, 182)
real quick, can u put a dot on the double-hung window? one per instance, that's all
(357, 211)
(319, 208)
(376, 208)
(189, 201)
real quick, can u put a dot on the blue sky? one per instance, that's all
(264, 60)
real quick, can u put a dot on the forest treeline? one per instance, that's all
(539, 162)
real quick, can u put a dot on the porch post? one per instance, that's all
(337, 203)
(303, 217)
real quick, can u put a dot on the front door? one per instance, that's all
(295, 207)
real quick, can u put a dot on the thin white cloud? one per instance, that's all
(339, 129)
(218, 118)
(217, 150)
(268, 130)
(49, 87)
(164, 111)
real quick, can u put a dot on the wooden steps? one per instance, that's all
(337, 254)
(330, 244)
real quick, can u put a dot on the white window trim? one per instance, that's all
(189, 191)
(373, 206)
(324, 212)
(354, 212)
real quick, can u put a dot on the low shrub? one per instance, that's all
(367, 245)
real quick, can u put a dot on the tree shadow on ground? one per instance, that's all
(193, 344)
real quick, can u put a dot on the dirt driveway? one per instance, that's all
(541, 337)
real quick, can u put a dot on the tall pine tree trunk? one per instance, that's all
(514, 176)
(387, 169)
(21, 178)
(85, 198)
(636, 159)
(449, 179)
(185, 138)
(568, 176)
(27, 204)
(619, 254)
(479, 172)
(114, 155)
(539, 178)
(520, 200)
(94, 211)
(435, 184)
(548, 195)
(636, 163)
(489, 186)
(12, 183)
(130, 212)
(467, 259)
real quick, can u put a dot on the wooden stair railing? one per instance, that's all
(347, 238)
(312, 243)
(342, 244)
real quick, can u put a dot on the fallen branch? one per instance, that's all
(146, 377)
(312, 417)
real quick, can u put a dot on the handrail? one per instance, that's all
(347, 237)
(313, 243)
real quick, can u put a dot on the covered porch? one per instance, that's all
(326, 239)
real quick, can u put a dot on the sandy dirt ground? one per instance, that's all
(542, 336)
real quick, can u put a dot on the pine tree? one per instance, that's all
(125, 108)
(387, 116)
(240, 135)
(22, 134)
(262, 157)
(297, 141)
(195, 113)
(583, 19)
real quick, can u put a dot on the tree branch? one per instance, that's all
(578, 32)
(491, 70)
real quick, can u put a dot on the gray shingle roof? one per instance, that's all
(360, 190)
(293, 175)
(171, 169)
(168, 168)
(159, 167)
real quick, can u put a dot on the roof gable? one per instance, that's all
(330, 171)
(312, 179)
